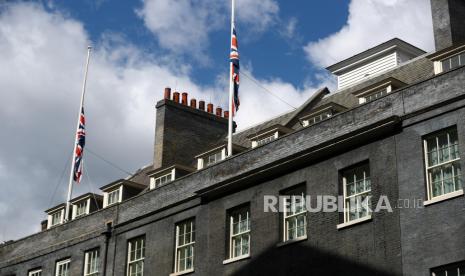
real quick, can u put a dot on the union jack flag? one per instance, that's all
(234, 59)
(80, 142)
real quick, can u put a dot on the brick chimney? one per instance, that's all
(184, 131)
(448, 22)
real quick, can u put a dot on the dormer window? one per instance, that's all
(56, 218)
(448, 59)
(55, 215)
(321, 113)
(211, 157)
(268, 135)
(378, 90)
(163, 176)
(81, 209)
(317, 118)
(120, 190)
(267, 139)
(114, 196)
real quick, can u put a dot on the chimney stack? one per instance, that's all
(167, 93)
(176, 97)
(448, 23)
(210, 108)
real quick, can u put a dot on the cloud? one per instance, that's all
(43, 53)
(372, 22)
(183, 26)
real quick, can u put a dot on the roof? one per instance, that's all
(85, 196)
(55, 208)
(123, 182)
(372, 53)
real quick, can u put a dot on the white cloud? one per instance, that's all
(183, 26)
(43, 54)
(372, 22)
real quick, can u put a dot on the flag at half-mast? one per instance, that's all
(234, 59)
(80, 143)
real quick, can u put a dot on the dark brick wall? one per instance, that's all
(405, 241)
(183, 132)
(448, 22)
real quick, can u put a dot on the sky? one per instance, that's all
(140, 47)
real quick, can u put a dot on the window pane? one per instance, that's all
(454, 62)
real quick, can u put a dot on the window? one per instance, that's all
(185, 241)
(35, 272)
(113, 197)
(239, 232)
(317, 118)
(91, 262)
(163, 180)
(294, 215)
(457, 269)
(375, 95)
(81, 208)
(62, 268)
(136, 255)
(357, 193)
(265, 140)
(214, 158)
(442, 158)
(57, 218)
(453, 62)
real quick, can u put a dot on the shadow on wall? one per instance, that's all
(298, 259)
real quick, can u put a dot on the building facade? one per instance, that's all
(394, 131)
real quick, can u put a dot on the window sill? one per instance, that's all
(304, 238)
(443, 197)
(353, 222)
(182, 272)
(232, 260)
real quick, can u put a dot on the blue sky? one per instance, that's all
(271, 52)
(142, 46)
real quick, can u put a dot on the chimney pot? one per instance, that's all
(184, 98)
(176, 97)
(210, 108)
(219, 111)
(226, 114)
(167, 93)
(193, 103)
(202, 105)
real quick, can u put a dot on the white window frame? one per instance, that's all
(92, 262)
(189, 244)
(438, 65)
(106, 196)
(456, 161)
(35, 272)
(139, 244)
(76, 207)
(320, 116)
(357, 196)
(240, 234)
(376, 93)
(265, 139)
(64, 263)
(163, 179)
(203, 162)
(459, 267)
(51, 218)
(295, 212)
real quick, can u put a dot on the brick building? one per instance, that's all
(394, 128)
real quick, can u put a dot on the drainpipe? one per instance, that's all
(107, 234)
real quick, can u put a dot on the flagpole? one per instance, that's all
(70, 184)
(231, 88)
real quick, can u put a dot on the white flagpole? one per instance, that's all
(70, 185)
(231, 88)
